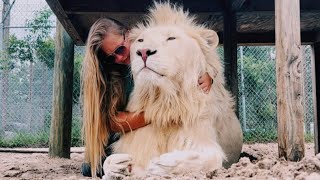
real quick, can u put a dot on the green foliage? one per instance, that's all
(20, 49)
(309, 138)
(76, 133)
(41, 24)
(76, 78)
(37, 44)
(260, 136)
(41, 139)
(47, 122)
(5, 63)
(259, 92)
(263, 136)
(25, 139)
(45, 51)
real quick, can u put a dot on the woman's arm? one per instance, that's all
(128, 121)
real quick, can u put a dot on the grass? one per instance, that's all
(260, 136)
(309, 138)
(25, 139)
(263, 136)
(41, 139)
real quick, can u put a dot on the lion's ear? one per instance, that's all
(210, 36)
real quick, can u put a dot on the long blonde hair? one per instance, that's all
(102, 93)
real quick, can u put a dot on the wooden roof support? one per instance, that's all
(61, 122)
(317, 37)
(237, 4)
(65, 20)
(230, 50)
(289, 64)
(316, 95)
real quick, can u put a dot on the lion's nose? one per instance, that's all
(145, 53)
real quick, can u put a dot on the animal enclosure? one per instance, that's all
(26, 89)
(26, 83)
(26, 79)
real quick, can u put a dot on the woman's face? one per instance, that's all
(117, 48)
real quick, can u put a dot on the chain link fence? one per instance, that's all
(258, 96)
(26, 76)
(26, 79)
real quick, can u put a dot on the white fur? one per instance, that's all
(189, 130)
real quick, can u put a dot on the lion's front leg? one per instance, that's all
(181, 162)
(118, 166)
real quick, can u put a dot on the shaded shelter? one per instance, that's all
(238, 22)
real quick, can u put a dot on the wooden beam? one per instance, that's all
(237, 4)
(268, 5)
(316, 95)
(317, 37)
(256, 27)
(60, 131)
(137, 5)
(64, 19)
(230, 51)
(266, 38)
(258, 22)
(289, 64)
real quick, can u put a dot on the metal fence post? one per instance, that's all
(243, 97)
(1, 95)
(1, 36)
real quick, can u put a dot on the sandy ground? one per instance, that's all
(264, 164)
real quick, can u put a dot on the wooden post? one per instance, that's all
(60, 131)
(230, 51)
(316, 95)
(289, 64)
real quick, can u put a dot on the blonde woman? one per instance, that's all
(106, 85)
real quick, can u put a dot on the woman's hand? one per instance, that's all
(205, 82)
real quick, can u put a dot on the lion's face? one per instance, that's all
(166, 63)
(161, 54)
(169, 52)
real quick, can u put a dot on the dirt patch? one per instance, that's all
(39, 166)
(261, 162)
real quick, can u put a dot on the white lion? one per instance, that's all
(190, 131)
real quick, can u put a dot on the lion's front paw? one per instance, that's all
(171, 163)
(156, 167)
(117, 166)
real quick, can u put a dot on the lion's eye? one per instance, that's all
(140, 40)
(171, 38)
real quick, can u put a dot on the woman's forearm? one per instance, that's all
(127, 122)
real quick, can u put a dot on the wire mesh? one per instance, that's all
(258, 97)
(26, 83)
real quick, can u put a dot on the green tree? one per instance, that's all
(38, 45)
(76, 78)
(27, 55)
(260, 93)
(35, 46)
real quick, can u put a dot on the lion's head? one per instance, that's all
(169, 52)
